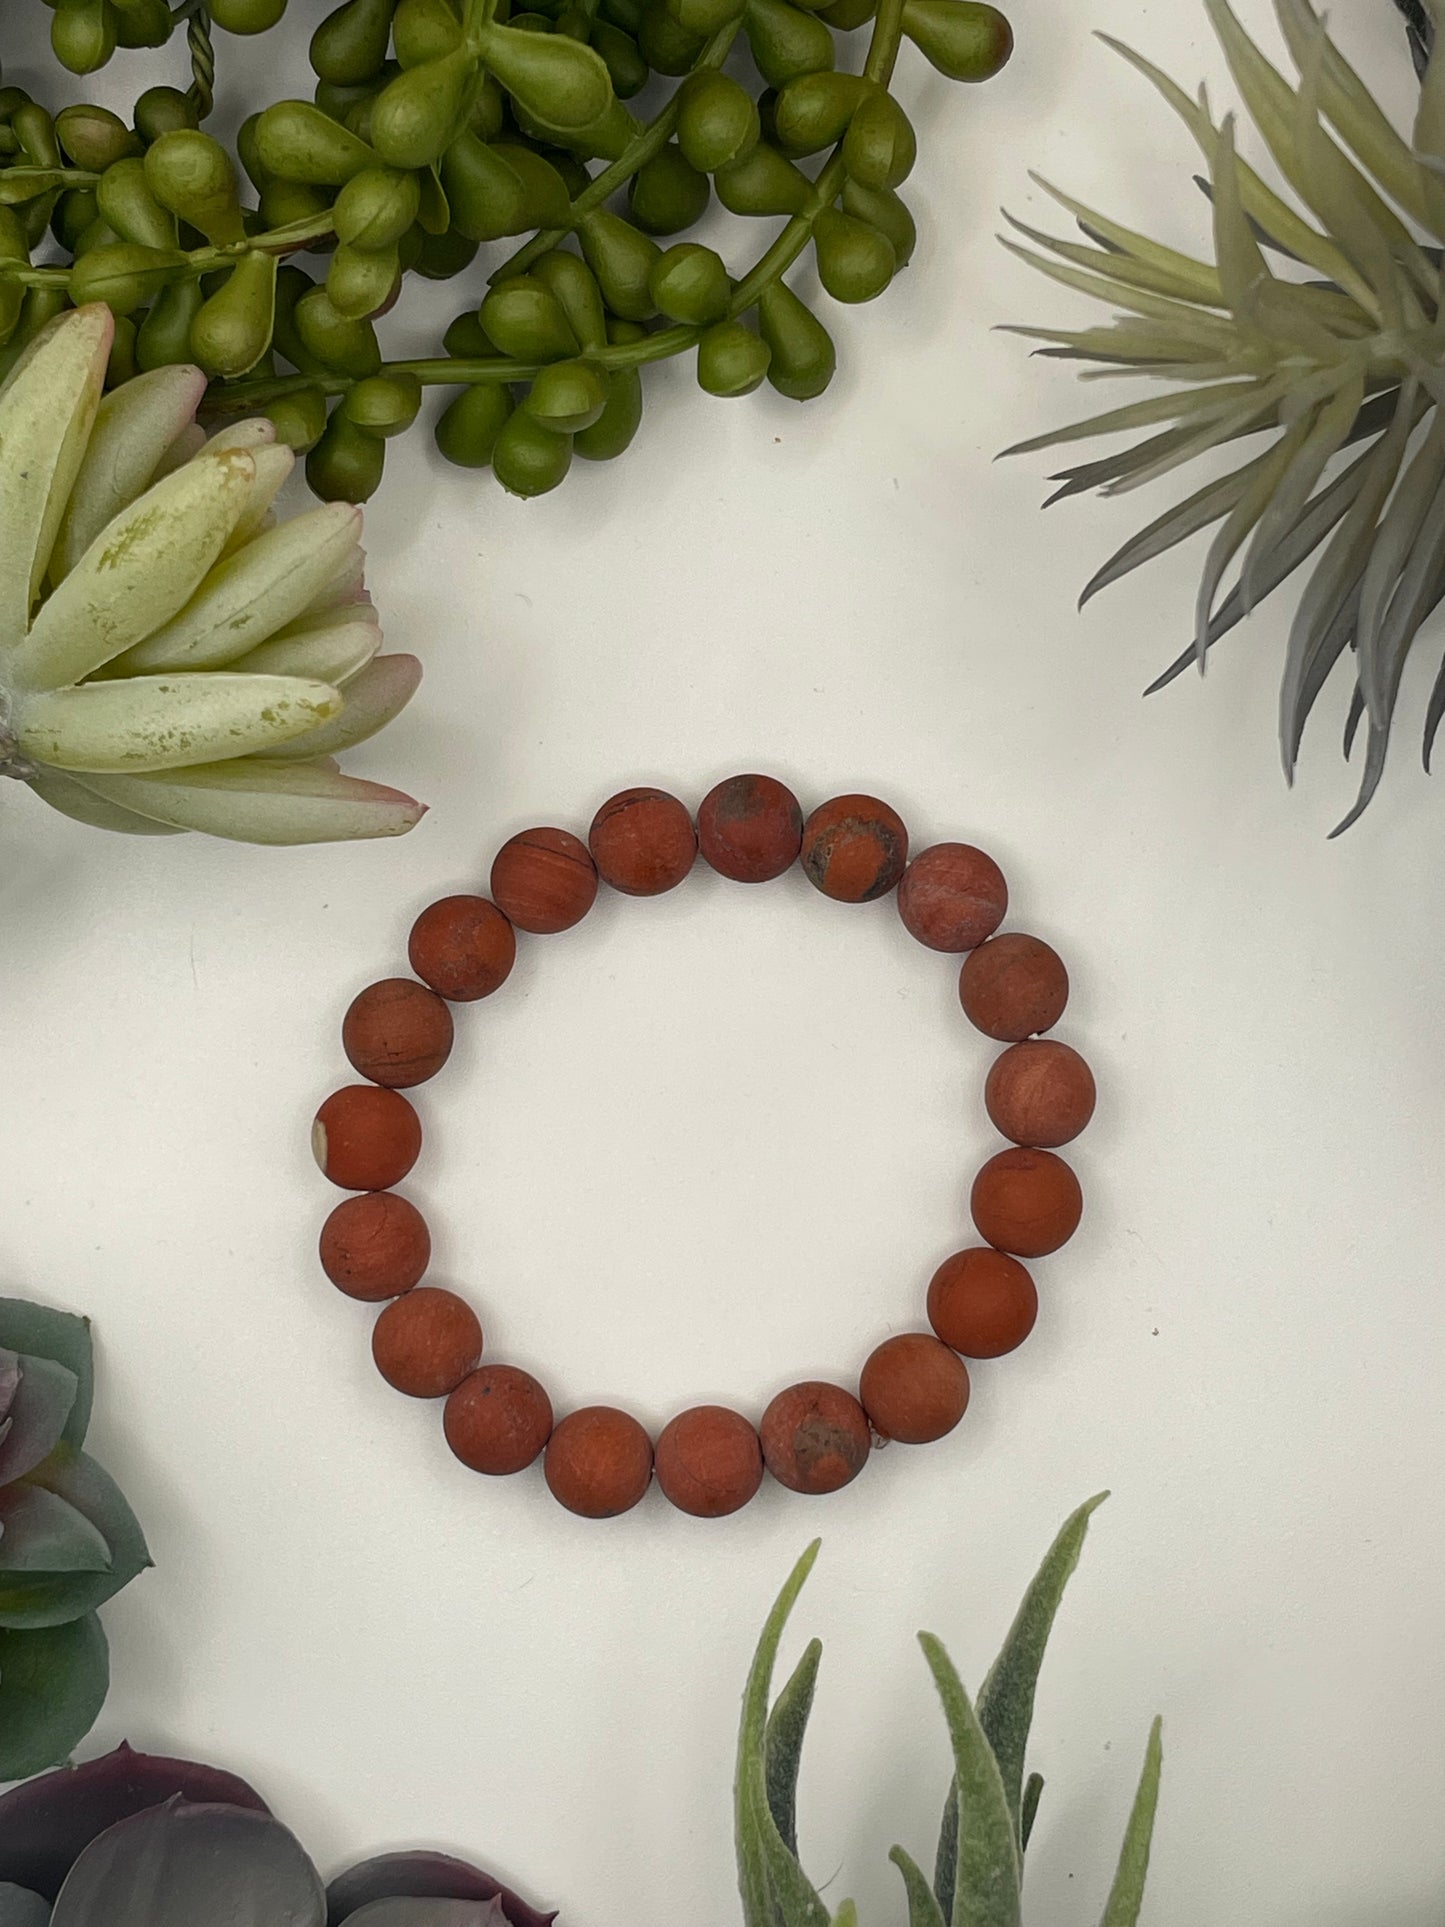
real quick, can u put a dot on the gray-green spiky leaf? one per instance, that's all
(1126, 1896)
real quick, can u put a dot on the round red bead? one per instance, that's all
(982, 1302)
(463, 947)
(544, 881)
(1027, 1202)
(599, 1462)
(1013, 987)
(854, 848)
(709, 1461)
(366, 1138)
(425, 1343)
(375, 1246)
(750, 828)
(1040, 1093)
(498, 1420)
(397, 1033)
(914, 1389)
(815, 1437)
(952, 897)
(642, 842)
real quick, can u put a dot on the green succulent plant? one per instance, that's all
(439, 128)
(68, 1541)
(990, 1808)
(170, 657)
(1319, 325)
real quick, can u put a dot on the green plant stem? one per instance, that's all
(653, 138)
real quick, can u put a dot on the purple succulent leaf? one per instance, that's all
(48, 1823)
(21, 1908)
(38, 1332)
(9, 1385)
(180, 1865)
(428, 1913)
(39, 1410)
(423, 1876)
(40, 1533)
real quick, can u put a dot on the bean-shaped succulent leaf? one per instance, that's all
(93, 137)
(360, 281)
(732, 360)
(567, 396)
(803, 355)
(786, 41)
(557, 80)
(346, 463)
(881, 208)
(622, 260)
(350, 44)
(529, 458)
(195, 178)
(717, 121)
(667, 194)
(880, 147)
(418, 113)
(232, 329)
(527, 321)
(297, 142)
(578, 294)
(814, 110)
(690, 284)
(122, 275)
(468, 427)
(964, 39)
(855, 261)
(614, 429)
(763, 181)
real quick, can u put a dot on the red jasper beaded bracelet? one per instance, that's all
(814, 1437)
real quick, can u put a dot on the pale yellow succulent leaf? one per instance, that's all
(332, 651)
(142, 568)
(249, 801)
(135, 426)
(46, 415)
(166, 722)
(375, 697)
(73, 799)
(251, 595)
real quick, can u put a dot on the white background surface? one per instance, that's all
(711, 1143)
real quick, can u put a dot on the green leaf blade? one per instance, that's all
(1006, 1699)
(1126, 1896)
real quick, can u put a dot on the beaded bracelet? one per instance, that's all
(814, 1437)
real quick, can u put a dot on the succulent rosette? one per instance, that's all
(171, 657)
(134, 1840)
(68, 1542)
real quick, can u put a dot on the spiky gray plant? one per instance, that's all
(1320, 324)
(990, 1809)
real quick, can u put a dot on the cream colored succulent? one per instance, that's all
(171, 657)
